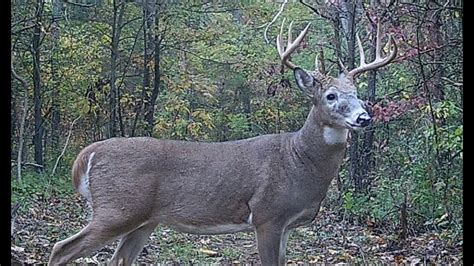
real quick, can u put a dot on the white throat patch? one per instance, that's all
(335, 135)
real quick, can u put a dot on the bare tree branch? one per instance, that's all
(273, 21)
(18, 77)
(208, 11)
(316, 10)
(78, 4)
(34, 165)
(65, 146)
(455, 83)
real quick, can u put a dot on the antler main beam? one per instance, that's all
(379, 60)
(291, 46)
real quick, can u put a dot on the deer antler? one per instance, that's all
(291, 46)
(379, 60)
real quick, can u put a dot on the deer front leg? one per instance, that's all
(271, 243)
(284, 241)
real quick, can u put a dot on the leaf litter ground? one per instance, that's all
(329, 239)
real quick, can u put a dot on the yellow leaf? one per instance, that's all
(17, 249)
(208, 252)
(332, 251)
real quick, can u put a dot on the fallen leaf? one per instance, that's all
(31, 261)
(399, 259)
(414, 260)
(208, 252)
(17, 249)
(332, 251)
(313, 259)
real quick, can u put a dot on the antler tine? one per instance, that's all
(361, 50)
(279, 41)
(289, 35)
(344, 68)
(320, 67)
(378, 43)
(291, 46)
(379, 60)
(316, 63)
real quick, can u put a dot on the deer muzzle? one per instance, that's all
(364, 119)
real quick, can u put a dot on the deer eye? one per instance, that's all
(331, 96)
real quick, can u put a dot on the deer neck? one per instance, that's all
(319, 140)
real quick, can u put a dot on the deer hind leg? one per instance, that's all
(271, 243)
(94, 236)
(131, 244)
(102, 230)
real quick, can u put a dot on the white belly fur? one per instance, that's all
(212, 229)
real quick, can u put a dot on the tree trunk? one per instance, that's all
(119, 9)
(366, 161)
(35, 52)
(55, 105)
(21, 140)
(150, 110)
(435, 37)
(348, 21)
(149, 13)
(146, 68)
(336, 23)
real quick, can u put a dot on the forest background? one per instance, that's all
(87, 70)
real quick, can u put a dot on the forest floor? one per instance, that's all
(329, 239)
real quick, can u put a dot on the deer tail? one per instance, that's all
(80, 172)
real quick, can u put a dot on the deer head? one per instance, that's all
(335, 99)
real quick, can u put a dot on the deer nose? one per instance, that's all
(364, 119)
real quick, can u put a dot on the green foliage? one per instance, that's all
(37, 187)
(220, 80)
(239, 126)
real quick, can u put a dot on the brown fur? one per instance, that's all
(79, 168)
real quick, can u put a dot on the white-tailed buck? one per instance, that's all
(269, 184)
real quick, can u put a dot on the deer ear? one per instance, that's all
(305, 81)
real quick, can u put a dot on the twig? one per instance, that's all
(13, 215)
(18, 77)
(361, 250)
(78, 4)
(207, 11)
(457, 84)
(273, 21)
(33, 164)
(316, 11)
(16, 32)
(65, 146)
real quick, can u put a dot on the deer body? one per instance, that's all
(269, 184)
(208, 188)
(211, 188)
